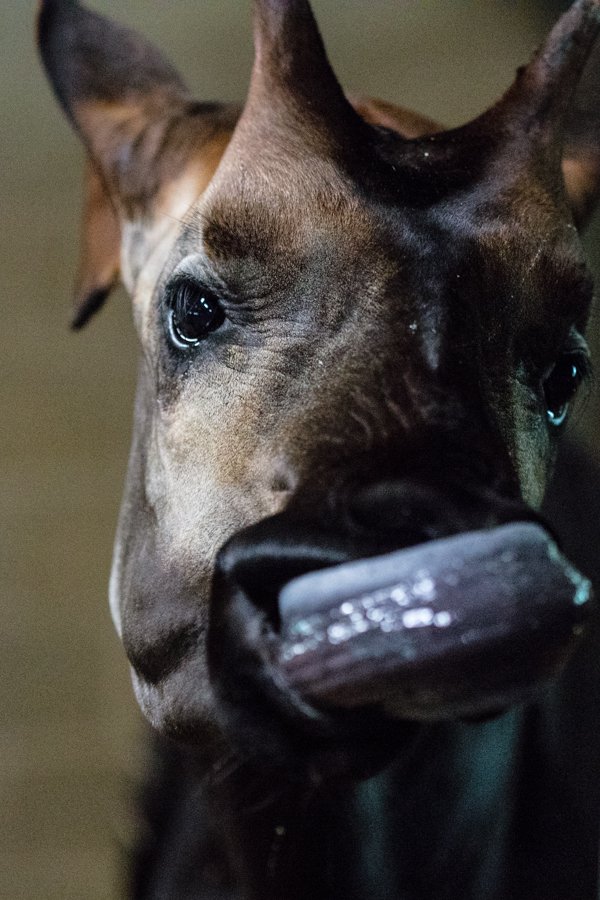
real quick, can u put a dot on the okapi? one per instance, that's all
(345, 609)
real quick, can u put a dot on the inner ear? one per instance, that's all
(582, 182)
(581, 156)
(405, 122)
(99, 265)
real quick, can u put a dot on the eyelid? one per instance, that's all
(194, 270)
(174, 285)
(586, 367)
(578, 347)
(252, 296)
(574, 346)
(576, 341)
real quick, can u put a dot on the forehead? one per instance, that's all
(274, 227)
(265, 231)
(512, 246)
(531, 258)
(287, 208)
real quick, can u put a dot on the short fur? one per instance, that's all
(395, 299)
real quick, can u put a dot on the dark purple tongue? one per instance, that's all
(456, 627)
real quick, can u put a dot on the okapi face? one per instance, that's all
(359, 334)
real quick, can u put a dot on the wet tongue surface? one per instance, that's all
(455, 627)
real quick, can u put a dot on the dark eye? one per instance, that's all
(561, 385)
(193, 313)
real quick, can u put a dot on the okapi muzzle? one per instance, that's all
(361, 335)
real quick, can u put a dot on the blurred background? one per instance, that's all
(71, 739)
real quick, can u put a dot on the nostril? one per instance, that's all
(280, 484)
(283, 478)
(263, 558)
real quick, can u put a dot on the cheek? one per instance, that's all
(200, 497)
(533, 454)
(213, 468)
(190, 487)
(176, 515)
(525, 436)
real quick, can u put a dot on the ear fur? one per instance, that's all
(137, 121)
(581, 158)
(99, 265)
(407, 123)
(581, 173)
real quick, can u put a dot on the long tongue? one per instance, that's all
(456, 627)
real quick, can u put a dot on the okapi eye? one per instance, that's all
(561, 385)
(193, 313)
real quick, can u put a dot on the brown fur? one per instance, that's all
(394, 299)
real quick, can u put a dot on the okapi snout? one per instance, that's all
(361, 337)
(413, 605)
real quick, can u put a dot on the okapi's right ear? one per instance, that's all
(136, 119)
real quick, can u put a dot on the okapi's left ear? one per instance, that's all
(581, 157)
(144, 136)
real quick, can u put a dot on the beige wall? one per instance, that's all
(67, 723)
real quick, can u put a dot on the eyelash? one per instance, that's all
(192, 313)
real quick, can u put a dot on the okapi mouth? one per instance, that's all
(451, 628)
(347, 654)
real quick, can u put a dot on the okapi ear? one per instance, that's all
(581, 155)
(99, 265)
(405, 122)
(105, 75)
(137, 121)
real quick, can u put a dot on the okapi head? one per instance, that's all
(360, 335)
